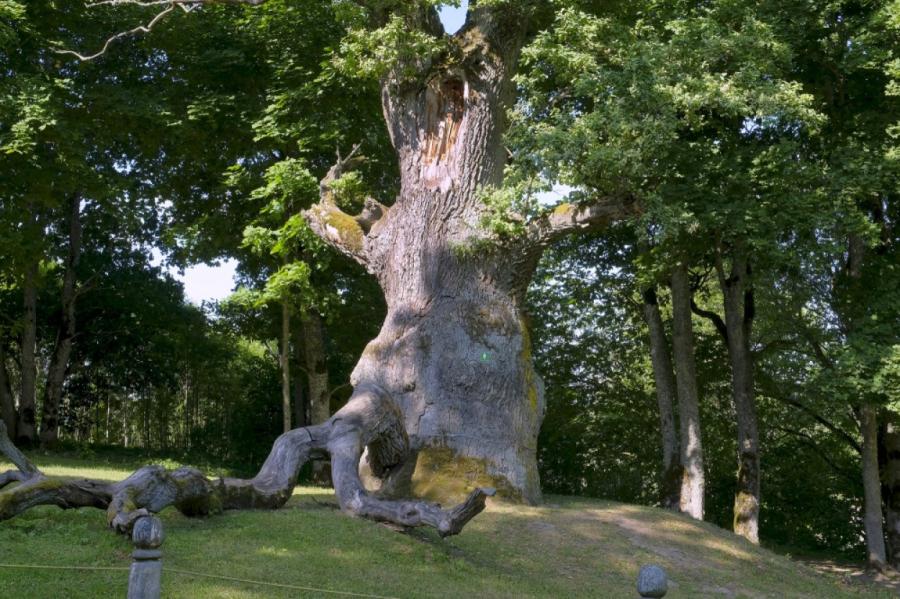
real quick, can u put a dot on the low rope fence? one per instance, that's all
(248, 581)
(145, 572)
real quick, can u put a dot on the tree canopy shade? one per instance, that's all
(733, 165)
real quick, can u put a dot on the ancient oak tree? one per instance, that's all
(446, 398)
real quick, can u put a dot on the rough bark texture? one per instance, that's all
(370, 420)
(59, 361)
(7, 402)
(738, 300)
(26, 431)
(693, 482)
(454, 349)
(670, 487)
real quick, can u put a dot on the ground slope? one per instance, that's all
(566, 548)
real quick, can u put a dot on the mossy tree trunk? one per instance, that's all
(737, 292)
(454, 351)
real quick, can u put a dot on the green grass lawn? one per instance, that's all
(566, 548)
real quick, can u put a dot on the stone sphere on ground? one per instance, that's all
(652, 582)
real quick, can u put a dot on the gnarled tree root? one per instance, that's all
(370, 420)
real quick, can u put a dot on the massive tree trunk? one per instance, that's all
(26, 430)
(454, 351)
(738, 299)
(693, 481)
(670, 487)
(7, 401)
(446, 397)
(59, 361)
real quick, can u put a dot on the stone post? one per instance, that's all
(145, 579)
(652, 582)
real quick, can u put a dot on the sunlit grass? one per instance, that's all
(566, 548)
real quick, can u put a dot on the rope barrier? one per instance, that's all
(36, 567)
(202, 575)
(275, 584)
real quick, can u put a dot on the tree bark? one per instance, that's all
(693, 482)
(285, 360)
(876, 554)
(738, 301)
(26, 430)
(665, 398)
(454, 349)
(7, 402)
(316, 367)
(59, 361)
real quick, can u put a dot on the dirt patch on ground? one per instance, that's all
(856, 575)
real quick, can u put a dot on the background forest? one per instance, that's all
(752, 311)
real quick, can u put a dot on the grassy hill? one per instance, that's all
(566, 548)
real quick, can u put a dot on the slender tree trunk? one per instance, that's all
(59, 361)
(26, 431)
(7, 402)
(665, 397)
(868, 425)
(301, 400)
(316, 367)
(693, 481)
(317, 376)
(872, 516)
(738, 300)
(286, 365)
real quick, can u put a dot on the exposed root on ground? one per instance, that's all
(369, 420)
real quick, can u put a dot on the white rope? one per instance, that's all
(202, 575)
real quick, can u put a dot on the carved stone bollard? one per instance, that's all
(145, 579)
(652, 582)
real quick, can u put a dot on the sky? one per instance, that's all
(205, 282)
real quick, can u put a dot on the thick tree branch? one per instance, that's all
(712, 317)
(344, 232)
(370, 420)
(567, 218)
